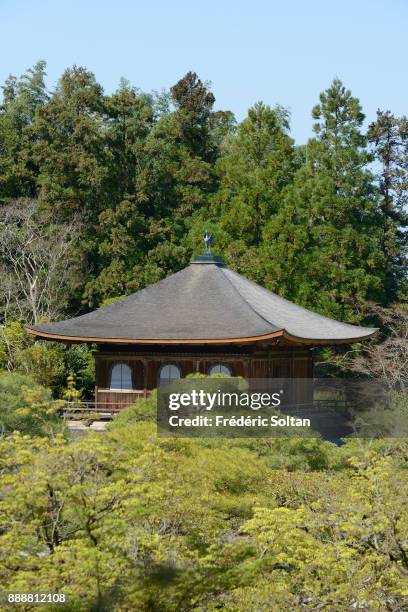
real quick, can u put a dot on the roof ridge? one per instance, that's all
(245, 300)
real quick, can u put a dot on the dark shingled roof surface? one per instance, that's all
(203, 301)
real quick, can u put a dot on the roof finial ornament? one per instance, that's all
(208, 241)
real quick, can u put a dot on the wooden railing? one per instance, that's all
(105, 410)
(103, 407)
(115, 399)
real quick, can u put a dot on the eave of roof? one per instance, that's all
(265, 338)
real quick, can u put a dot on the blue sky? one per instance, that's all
(285, 52)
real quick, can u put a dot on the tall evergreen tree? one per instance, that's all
(129, 117)
(323, 247)
(73, 159)
(191, 121)
(258, 162)
(70, 147)
(145, 175)
(388, 137)
(180, 152)
(160, 176)
(121, 226)
(21, 98)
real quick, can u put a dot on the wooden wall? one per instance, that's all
(280, 363)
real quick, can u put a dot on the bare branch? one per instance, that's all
(36, 262)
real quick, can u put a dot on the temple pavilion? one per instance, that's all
(205, 318)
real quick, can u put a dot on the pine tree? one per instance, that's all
(388, 137)
(70, 147)
(257, 164)
(160, 177)
(179, 175)
(323, 248)
(21, 98)
(121, 225)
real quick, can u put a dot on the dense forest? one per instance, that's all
(101, 195)
(130, 180)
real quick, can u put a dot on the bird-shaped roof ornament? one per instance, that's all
(208, 241)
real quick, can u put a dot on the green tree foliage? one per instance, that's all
(180, 151)
(138, 178)
(18, 352)
(323, 247)
(345, 550)
(143, 175)
(71, 154)
(47, 363)
(26, 407)
(21, 98)
(258, 162)
(159, 172)
(127, 520)
(121, 224)
(388, 137)
(69, 147)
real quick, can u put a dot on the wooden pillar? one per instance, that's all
(246, 368)
(144, 363)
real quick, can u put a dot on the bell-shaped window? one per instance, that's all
(219, 368)
(121, 377)
(169, 373)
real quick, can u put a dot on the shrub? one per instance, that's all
(27, 407)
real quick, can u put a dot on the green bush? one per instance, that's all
(142, 410)
(27, 407)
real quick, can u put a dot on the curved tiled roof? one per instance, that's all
(203, 303)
